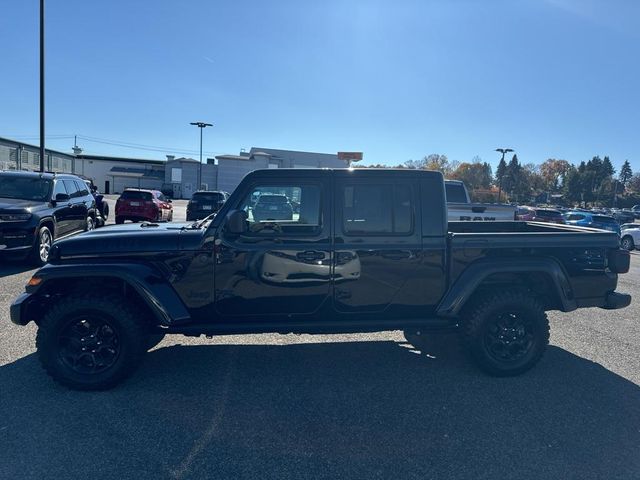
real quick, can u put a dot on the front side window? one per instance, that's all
(377, 209)
(58, 188)
(283, 208)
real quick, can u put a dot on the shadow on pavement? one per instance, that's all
(11, 267)
(329, 410)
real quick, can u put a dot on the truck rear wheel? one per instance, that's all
(506, 333)
(89, 343)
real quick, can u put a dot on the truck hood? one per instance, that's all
(133, 239)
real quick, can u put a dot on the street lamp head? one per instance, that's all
(504, 150)
(201, 124)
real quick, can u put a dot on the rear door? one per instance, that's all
(279, 267)
(62, 212)
(379, 260)
(77, 216)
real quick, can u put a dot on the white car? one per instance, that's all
(287, 266)
(630, 236)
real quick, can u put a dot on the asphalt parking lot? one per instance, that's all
(340, 406)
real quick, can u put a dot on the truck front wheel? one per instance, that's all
(87, 342)
(506, 333)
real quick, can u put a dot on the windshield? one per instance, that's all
(25, 188)
(207, 197)
(272, 199)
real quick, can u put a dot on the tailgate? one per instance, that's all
(480, 212)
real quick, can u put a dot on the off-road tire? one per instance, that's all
(481, 318)
(130, 331)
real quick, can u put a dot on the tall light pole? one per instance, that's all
(201, 126)
(42, 152)
(503, 151)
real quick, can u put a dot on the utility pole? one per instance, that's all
(503, 151)
(201, 126)
(42, 151)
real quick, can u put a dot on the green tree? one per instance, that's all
(625, 173)
(553, 173)
(475, 175)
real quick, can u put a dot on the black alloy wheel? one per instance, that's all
(88, 345)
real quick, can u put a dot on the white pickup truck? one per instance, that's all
(460, 208)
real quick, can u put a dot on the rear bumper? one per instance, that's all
(615, 300)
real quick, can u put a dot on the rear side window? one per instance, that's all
(72, 189)
(371, 209)
(574, 217)
(136, 195)
(455, 193)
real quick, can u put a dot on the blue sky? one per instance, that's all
(394, 79)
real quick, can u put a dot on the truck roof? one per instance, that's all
(359, 172)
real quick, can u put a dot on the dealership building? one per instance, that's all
(175, 176)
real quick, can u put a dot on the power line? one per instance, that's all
(120, 143)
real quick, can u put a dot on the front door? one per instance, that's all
(282, 265)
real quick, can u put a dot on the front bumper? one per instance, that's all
(19, 308)
(16, 240)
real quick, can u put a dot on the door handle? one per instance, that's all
(398, 255)
(310, 255)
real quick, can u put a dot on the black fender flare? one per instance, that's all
(471, 278)
(153, 288)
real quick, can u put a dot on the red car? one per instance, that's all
(526, 214)
(548, 215)
(140, 205)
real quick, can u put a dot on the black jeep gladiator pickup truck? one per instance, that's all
(366, 250)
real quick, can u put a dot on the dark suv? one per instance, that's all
(37, 208)
(203, 204)
(272, 207)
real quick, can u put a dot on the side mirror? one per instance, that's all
(236, 222)
(62, 197)
(169, 200)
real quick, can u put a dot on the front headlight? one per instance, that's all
(14, 217)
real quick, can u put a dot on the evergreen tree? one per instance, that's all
(625, 173)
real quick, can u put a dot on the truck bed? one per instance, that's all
(527, 234)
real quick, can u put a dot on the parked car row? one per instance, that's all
(38, 208)
(605, 219)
